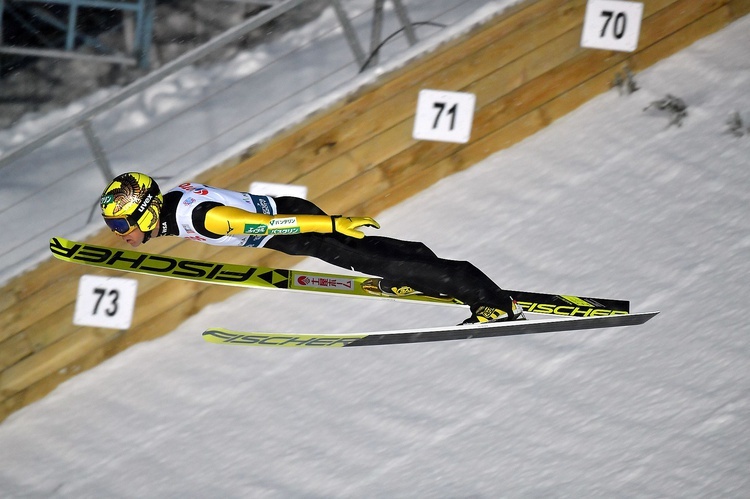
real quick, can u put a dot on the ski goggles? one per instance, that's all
(121, 226)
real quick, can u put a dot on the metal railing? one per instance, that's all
(84, 119)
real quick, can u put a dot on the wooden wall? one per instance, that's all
(356, 157)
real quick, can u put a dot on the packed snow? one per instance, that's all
(609, 201)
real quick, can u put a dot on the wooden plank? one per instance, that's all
(48, 300)
(51, 328)
(35, 367)
(672, 18)
(683, 38)
(398, 137)
(56, 326)
(406, 186)
(169, 320)
(14, 349)
(10, 296)
(739, 8)
(514, 75)
(159, 300)
(403, 151)
(41, 388)
(330, 176)
(52, 306)
(350, 194)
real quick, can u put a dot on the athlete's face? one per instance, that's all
(135, 238)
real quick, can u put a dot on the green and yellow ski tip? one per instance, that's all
(229, 337)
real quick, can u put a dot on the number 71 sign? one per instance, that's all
(612, 25)
(444, 116)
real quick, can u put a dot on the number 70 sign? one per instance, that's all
(612, 25)
(444, 116)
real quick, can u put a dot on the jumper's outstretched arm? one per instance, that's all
(228, 220)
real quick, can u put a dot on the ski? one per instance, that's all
(465, 332)
(298, 280)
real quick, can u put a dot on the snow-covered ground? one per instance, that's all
(608, 201)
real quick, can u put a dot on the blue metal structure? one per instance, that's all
(60, 37)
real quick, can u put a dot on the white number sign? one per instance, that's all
(105, 302)
(277, 190)
(612, 25)
(444, 116)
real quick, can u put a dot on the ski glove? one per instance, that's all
(349, 225)
(230, 221)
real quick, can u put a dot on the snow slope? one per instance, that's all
(607, 201)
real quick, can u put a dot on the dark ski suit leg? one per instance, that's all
(405, 262)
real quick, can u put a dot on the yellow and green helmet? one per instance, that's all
(131, 200)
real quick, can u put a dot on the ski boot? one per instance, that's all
(487, 313)
(382, 287)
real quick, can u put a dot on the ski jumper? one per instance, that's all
(408, 263)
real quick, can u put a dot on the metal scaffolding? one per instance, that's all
(53, 30)
(83, 120)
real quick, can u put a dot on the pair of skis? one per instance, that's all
(567, 312)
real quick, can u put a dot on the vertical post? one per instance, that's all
(70, 38)
(377, 27)
(2, 12)
(144, 28)
(128, 31)
(349, 33)
(405, 22)
(377, 30)
(96, 148)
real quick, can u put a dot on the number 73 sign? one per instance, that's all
(105, 302)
